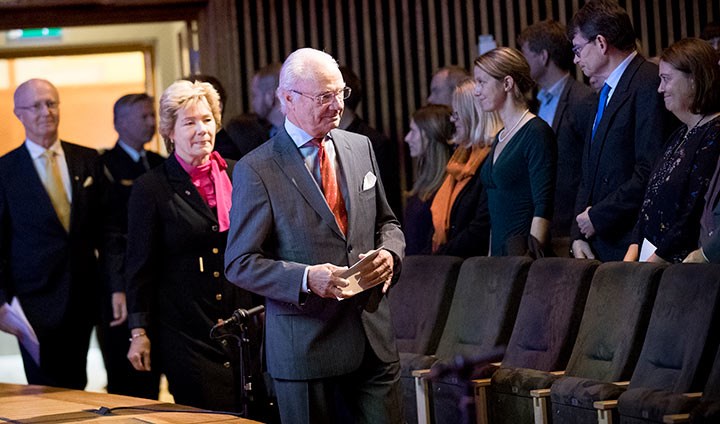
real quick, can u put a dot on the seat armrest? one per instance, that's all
(421, 373)
(482, 382)
(694, 395)
(605, 405)
(540, 393)
(558, 373)
(676, 418)
(622, 383)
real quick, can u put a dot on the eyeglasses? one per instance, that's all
(37, 106)
(577, 50)
(325, 98)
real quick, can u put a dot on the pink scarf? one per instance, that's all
(213, 184)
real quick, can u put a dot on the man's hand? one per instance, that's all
(139, 352)
(119, 308)
(323, 281)
(586, 226)
(380, 270)
(696, 256)
(581, 250)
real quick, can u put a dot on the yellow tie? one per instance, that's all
(55, 188)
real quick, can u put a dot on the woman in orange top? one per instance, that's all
(459, 210)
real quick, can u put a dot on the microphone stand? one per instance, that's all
(240, 318)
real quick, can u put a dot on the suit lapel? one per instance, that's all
(291, 163)
(33, 190)
(182, 184)
(562, 105)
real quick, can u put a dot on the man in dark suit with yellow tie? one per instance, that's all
(134, 121)
(308, 203)
(51, 209)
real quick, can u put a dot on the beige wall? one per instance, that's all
(90, 121)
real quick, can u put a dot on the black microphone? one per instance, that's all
(241, 315)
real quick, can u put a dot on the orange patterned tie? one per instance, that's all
(330, 187)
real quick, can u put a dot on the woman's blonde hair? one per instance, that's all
(478, 127)
(180, 95)
(436, 130)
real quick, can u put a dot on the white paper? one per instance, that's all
(27, 337)
(646, 250)
(352, 275)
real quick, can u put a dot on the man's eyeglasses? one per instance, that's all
(578, 49)
(37, 107)
(325, 98)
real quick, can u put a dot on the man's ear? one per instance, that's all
(545, 56)
(602, 43)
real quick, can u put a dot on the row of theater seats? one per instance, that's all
(566, 331)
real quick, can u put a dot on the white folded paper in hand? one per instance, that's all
(352, 275)
(27, 336)
(646, 250)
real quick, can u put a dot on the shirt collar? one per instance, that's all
(557, 88)
(37, 150)
(134, 154)
(614, 78)
(297, 134)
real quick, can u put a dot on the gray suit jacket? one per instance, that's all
(280, 224)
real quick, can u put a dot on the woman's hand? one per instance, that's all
(633, 253)
(139, 352)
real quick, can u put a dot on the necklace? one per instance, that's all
(504, 134)
(686, 135)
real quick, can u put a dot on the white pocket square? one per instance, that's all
(88, 182)
(369, 181)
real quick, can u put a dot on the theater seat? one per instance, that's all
(608, 344)
(678, 350)
(479, 324)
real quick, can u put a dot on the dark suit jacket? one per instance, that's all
(710, 220)
(54, 273)
(573, 118)
(240, 135)
(170, 227)
(280, 225)
(617, 164)
(121, 172)
(469, 233)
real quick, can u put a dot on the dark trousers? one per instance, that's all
(370, 394)
(122, 378)
(63, 357)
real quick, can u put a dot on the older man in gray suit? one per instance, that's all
(307, 204)
(709, 242)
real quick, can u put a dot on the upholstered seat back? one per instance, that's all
(484, 307)
(420, 301)
(616, 317)
(550, 312)
(682, 335)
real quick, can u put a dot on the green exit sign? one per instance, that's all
(34, 34)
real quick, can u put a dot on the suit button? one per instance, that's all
(349, 249)
(218, 296)
(215, 250)
(226, 365)
(216, 274)
(215, 228)
(224, 342)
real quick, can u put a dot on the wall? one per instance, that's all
(88, 94)
(396, 45)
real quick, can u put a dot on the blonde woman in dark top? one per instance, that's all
(460, 214)
(430, 133)
(520, 173)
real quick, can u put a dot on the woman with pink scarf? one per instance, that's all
(178, 217)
